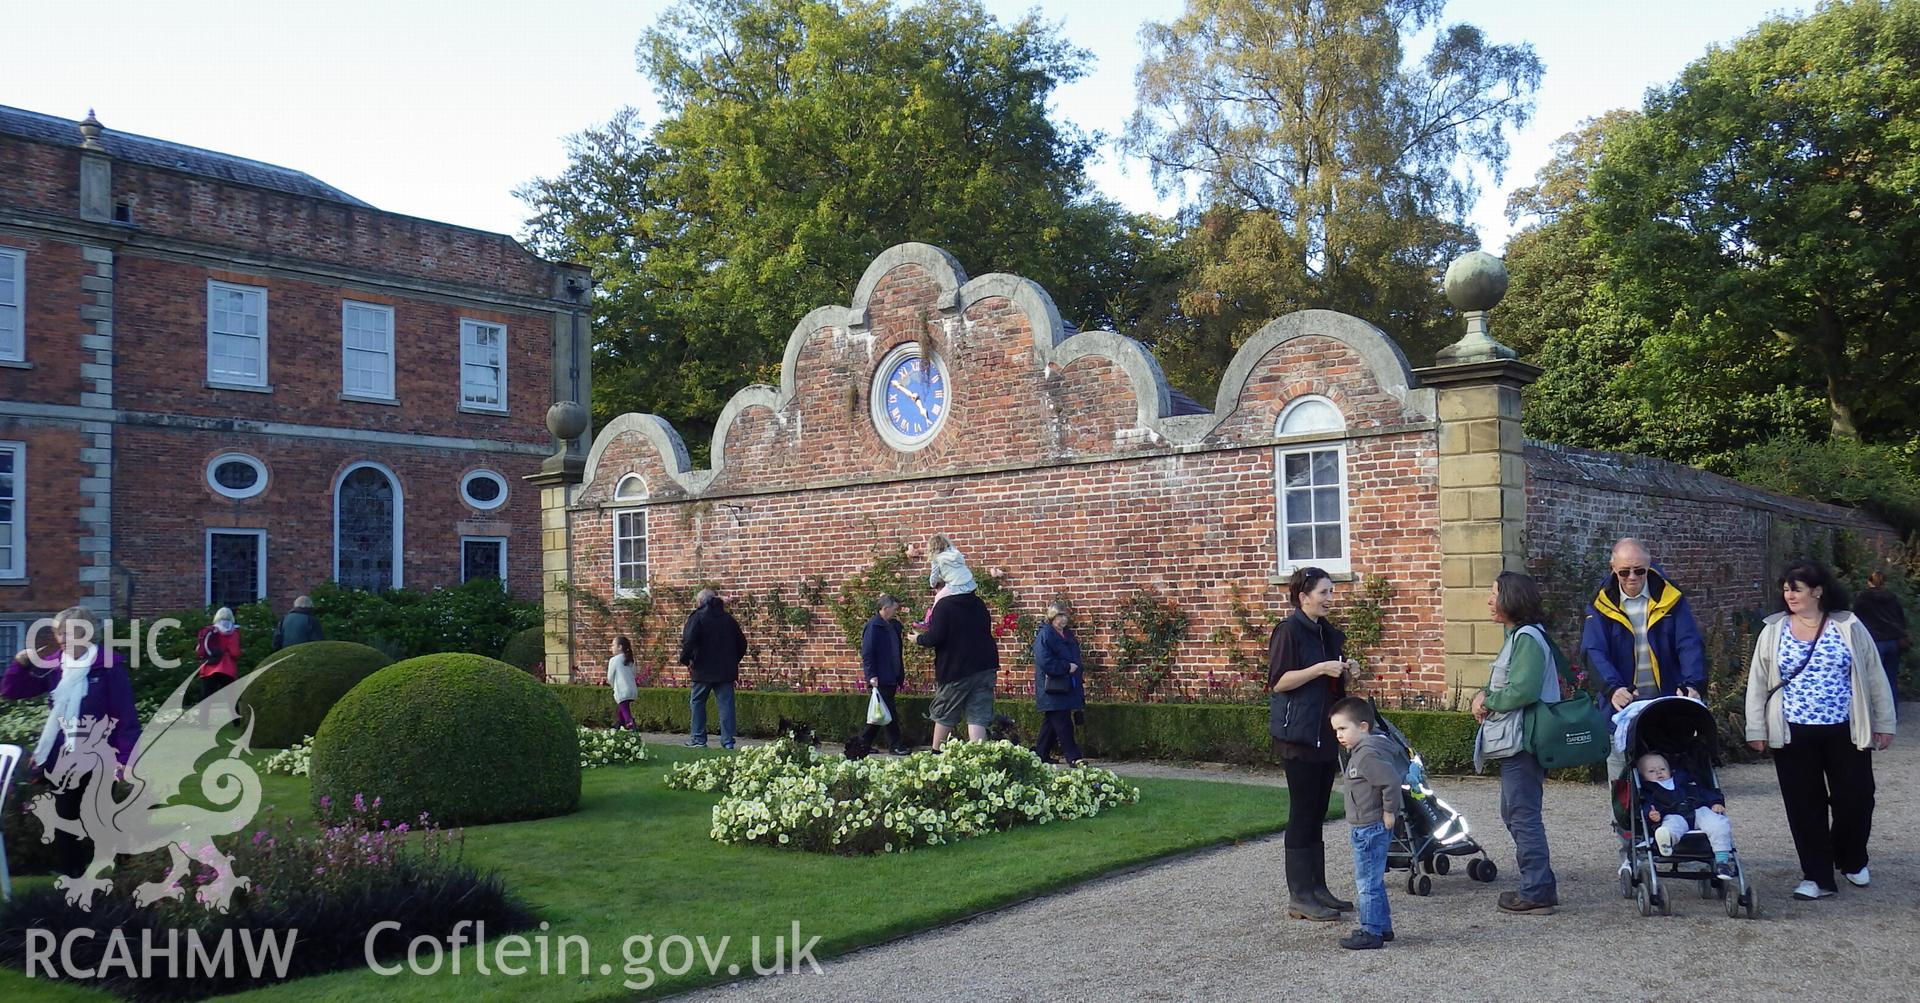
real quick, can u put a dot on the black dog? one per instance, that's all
(857, 745)
(1004, 728)
(799, 732)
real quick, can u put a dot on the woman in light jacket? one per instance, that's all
(1818, 696)
(620, 677)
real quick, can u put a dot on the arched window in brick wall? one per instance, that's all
(630, 537)
(1310, 486)
(368, 523)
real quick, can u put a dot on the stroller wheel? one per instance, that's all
(1626, 884)
(1489, 870)
(1442, 863)
(1752, 902)
(1643, 897)
(1426, 886)
(1734, 900)
(1707, 889)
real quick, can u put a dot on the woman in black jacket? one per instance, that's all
(1306, 675)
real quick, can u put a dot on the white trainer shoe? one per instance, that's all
(1859, 878)
(1663, 838)
(1807, 891)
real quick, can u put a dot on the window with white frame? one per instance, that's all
(483, 557)
(366, 350)
(13, 305)
(13, 510)
(1311, 489)
(236, 566)
(236, 475)
(483, 489)
(12, 636)
(236, 334)
(483, 365)
(630, 552)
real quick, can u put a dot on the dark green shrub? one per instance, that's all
(526, 650)
(476, 616)
(1880, 479)
(301, 684)
(465, 738)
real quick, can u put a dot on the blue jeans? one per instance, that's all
(1890, 659)
(1522, 787)
(723, 695)
(1370, 877)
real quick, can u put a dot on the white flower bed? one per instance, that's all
(597, 748)
(787, 794)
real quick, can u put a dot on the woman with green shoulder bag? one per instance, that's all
(1526, 672)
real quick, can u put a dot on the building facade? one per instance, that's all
(1061, 462)
(222, 381)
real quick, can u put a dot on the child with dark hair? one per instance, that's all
(1375, 770)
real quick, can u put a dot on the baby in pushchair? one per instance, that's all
(1675, 804)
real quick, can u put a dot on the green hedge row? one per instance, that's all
(1214, 733)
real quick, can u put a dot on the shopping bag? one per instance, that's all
(877, 712)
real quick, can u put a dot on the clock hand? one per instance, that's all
(897, 385)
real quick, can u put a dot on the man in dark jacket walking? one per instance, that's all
(1881, 613)
(880, 655)
(1640, 635)
(299, 626)
(711, 646)
(965, 663)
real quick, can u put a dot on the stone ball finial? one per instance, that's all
(567, 419)
(1476, 281)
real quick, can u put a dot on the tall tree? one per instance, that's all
(800, 139)
(1328, 172)
(1767, 207)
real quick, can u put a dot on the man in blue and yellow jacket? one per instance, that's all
(1640, 635)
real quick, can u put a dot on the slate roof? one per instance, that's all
(173, 156)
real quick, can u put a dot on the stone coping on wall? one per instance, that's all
(1054, 344)
(1646, 475)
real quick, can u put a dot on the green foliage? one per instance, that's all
(1150, 628)
(526, 650)
(301, 684)
(789, 795)
(476, 616)
(1880, 479)
(799, 139)
(153, 680)
(1763, 214)
(1328, 162)
(1363, 618)
(462, 737)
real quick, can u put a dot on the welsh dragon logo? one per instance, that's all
(151, 814)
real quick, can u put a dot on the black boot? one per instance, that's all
(1318, 856)
(1301, 902)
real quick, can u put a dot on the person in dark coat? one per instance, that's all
(1058, 690)
(299, 626)
(1881, 613)
(1307, 673)
(880, 656)
(80, 679)
(966, 661)
(711, 646)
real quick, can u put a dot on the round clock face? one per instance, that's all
(909, 397)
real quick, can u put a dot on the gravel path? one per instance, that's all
(1211, 926)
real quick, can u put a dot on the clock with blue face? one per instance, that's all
(909, 397)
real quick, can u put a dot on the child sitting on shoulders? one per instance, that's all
(948, 576)
(1676, 803)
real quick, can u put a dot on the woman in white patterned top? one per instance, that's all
(1817, 695)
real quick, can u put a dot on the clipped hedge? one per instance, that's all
(526, 649)
(465, 738)
(1215, 733)
(301, 685)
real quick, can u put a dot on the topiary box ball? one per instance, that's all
(464, 738)
(298, 685)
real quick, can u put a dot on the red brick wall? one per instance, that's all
(163, 508)
(53, 324)
(1041, 474)
(160, 309)
(53, 527)
(1723, 542)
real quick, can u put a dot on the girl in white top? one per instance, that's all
(620, 677)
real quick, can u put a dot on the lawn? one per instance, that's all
(636, 860)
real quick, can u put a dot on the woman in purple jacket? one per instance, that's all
(79, 679)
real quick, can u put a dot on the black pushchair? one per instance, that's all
(1429, 832)
(1682, 731)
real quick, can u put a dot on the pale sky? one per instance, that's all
(440, 109)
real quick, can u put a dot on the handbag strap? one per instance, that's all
(1804, 662)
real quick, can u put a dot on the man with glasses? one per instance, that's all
(1640, 636)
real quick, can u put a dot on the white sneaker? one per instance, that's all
(1859, 878)
(1807, 891)
(1663, 838)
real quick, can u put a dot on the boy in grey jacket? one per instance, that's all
(1375, 770)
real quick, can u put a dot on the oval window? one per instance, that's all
(484, 489)
(237, 475)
